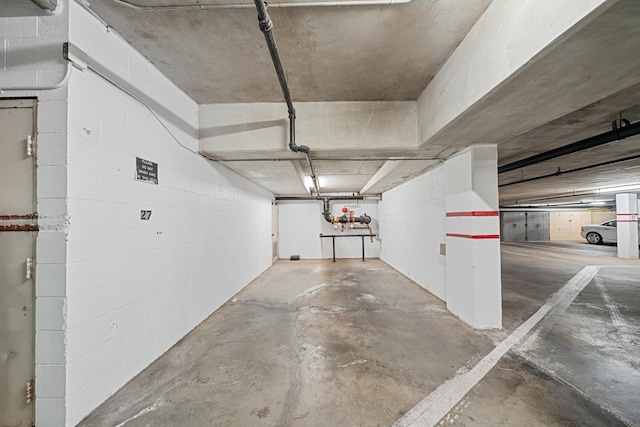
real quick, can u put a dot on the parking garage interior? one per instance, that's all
(389, 218)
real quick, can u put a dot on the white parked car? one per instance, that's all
(598, 233)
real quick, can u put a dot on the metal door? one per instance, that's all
(513, 227)
(525, 226)
(17, 248)
(538, 229)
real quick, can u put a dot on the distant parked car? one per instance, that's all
(599, 233)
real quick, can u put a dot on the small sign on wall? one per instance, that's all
(146, 170)
(145, 215)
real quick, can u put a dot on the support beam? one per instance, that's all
(473, 277)
(492, 83)
(388, 166)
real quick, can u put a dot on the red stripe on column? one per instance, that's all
(474, 236)
(473, 213)
(629, 217)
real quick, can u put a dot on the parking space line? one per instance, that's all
(440, 402)
(616, 318)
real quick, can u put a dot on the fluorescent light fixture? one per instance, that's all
(619, 189)
(598, 203)
(308, 183)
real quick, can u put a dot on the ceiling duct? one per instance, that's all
(266, 26)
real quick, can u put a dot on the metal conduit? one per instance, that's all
(248, 5)
(266, 26)
(559, 172)
(617, 133)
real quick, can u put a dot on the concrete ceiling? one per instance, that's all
(391, 53)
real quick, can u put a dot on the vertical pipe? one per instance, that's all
(266, 26)
(333, 239)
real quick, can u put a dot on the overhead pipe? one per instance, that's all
(344, 219)
(582, 168)
(266, 26)
(278, 5)
(63, 81)
(617, 133)
(331, 198)
(326, 209)
(51, 6)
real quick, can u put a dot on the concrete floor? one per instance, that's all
(315, 343)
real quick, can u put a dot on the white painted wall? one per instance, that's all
(131, 281)
(301, 224)
(31, 54)
(114, 292)
(473, 272)
(31, 51)
(412, 227)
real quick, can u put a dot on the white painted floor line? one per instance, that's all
(616, 318)
(142, 412)
(440, 402)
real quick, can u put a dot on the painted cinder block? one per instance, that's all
(51, 279)
(51, 149)
(13, 78)
(53, 25)
(51, 247)
(52, 182)
(21, 27)
(50, 314)
(128, 280)
(52, 116)
(50, 411)
(412, 223)
(50, 348)
(28, 54)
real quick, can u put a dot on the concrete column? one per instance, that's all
(627, 216)
(473, 282)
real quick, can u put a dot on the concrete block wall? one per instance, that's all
(31, 57)
(31, 51)
(412, 227)
(114, 292)
(300, 224)
(135, 287)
